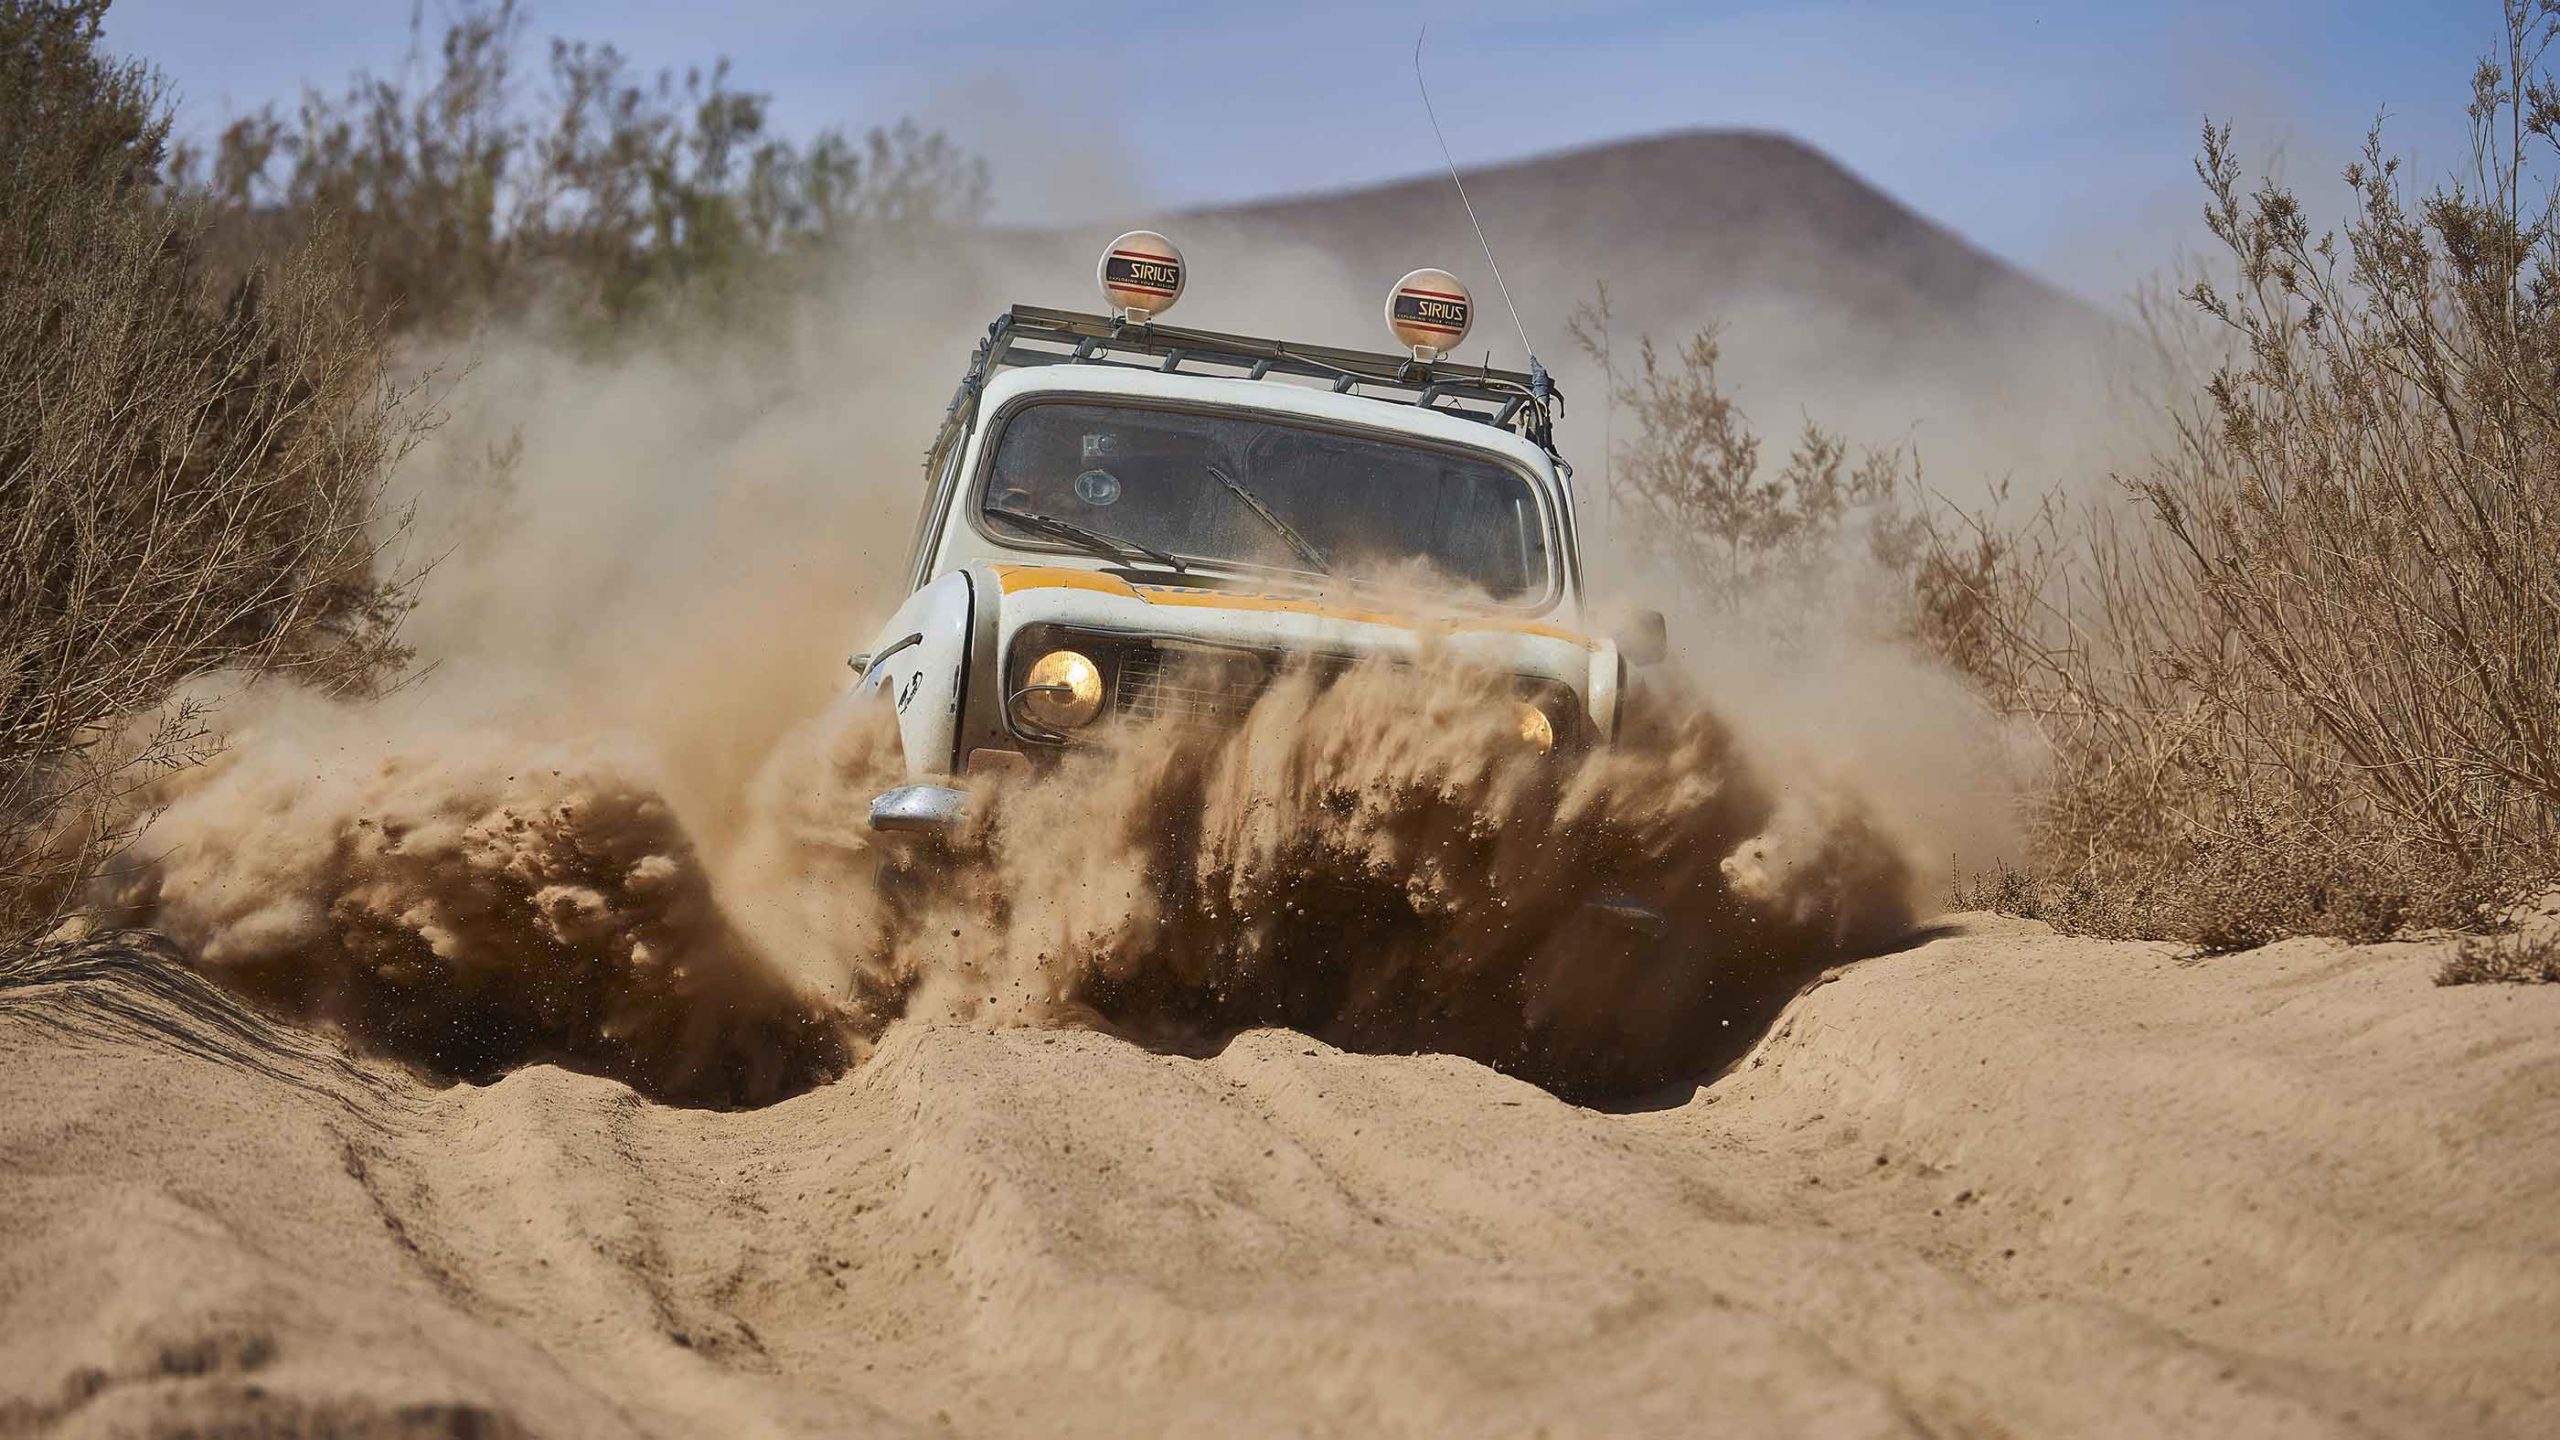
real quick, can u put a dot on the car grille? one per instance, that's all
(1190, 686)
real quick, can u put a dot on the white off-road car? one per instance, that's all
(1128, 520)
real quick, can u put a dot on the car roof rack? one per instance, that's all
(1035, 335)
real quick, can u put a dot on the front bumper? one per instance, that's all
(919, 812)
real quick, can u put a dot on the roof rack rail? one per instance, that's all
(1036, 335)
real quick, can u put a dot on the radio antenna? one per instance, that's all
(1538, 372)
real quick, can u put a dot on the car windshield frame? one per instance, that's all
(972, 496)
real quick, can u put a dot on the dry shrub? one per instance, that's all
(188, 477)
(616, 191)
(2504, 960)
(194, 415)
(1785, 542)
(2307, 681)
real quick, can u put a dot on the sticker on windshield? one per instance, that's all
(1097, 487)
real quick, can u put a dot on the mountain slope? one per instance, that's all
(1833, 299)
(1679, 225)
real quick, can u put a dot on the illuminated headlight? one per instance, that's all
(1536, 730)
(1062, 690)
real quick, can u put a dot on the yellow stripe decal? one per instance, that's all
(1059, 577)
(1038, 577)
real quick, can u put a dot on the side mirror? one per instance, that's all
(1645, 639)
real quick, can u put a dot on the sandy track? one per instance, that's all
(2002, 1184)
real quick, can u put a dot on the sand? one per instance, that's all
(2001, 1183)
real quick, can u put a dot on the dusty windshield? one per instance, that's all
(1263, 491)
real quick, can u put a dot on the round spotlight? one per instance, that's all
(1141, 275)
(1536, 730)
(1061, 690)
(1429, 312)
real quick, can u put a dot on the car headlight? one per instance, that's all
(1536, 730)
(1062, 690)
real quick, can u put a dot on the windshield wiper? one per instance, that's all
(1109, 547)
(1282, 528)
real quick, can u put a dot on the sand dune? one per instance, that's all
(2002, 1183)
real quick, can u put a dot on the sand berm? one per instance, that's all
(1999, 1183)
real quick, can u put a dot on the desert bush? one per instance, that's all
(1784, 540)
(2519, 959)
(188, 474)
(2308, 679)
(604, 196)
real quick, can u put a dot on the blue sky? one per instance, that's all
(2056, 135)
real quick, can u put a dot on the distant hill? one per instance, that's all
(1835, 298)
(1678, 225)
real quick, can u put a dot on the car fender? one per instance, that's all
(1605, 695)
(919, 665)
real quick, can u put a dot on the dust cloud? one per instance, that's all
(473, 903)
(616, 823)
(1374, 858)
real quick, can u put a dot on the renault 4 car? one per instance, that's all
(1128, 521)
